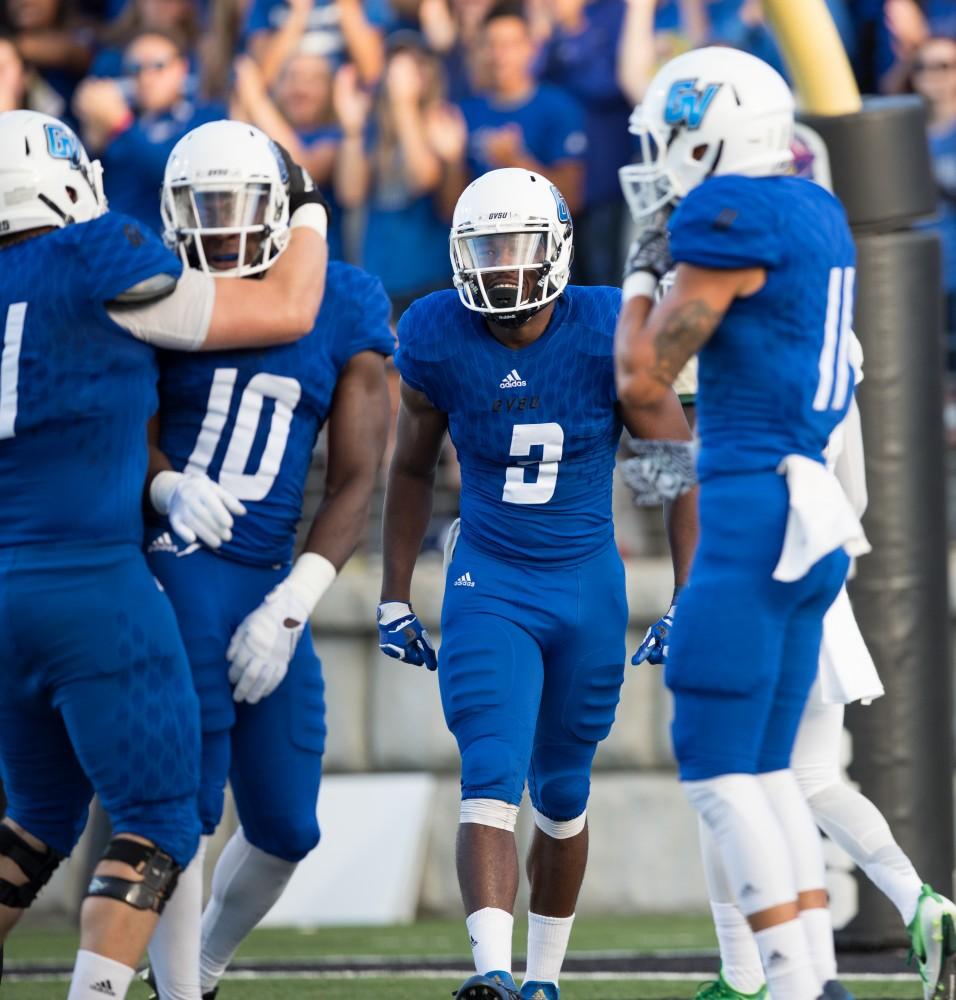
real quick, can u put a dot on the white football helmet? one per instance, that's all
(511, 244)
(708, 112)
(46, 178)
(226, 182)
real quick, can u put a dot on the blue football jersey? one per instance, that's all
(536, 429)
(249, 419)
(76, 390)
(775, 378)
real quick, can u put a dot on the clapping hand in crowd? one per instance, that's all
(447, 132)
(102, 109)
(352, 103)
(504, 147)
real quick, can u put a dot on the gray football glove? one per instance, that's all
(661, 470)
(650, 252)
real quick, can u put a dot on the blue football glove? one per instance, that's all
(403, 637)
(655, 646)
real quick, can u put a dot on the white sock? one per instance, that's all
(547, 945)
(490, 932)
(851, 820)
(739, 955)
(174, 946)
(787, 964)
(245, 885)
(819, 932)
(809, 867)
(96, 977)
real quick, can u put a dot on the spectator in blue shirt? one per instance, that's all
(518, 122)
(934, 77)
(339, 30)
(388, 164)
(582, 57)
(134, 138)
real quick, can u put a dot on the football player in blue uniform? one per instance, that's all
(764, 291)
(95, 692)
(518, 368)
(248, 420)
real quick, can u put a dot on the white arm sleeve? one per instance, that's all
(180, 321)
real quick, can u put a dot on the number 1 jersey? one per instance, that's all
(249, 419)
(536, 429)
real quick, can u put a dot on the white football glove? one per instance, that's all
(196, 507)
(266, 639)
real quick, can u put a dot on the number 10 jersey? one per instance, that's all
(536, 429)
(249, 419)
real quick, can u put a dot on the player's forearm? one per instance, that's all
(340, 522)
(408, 509)
(363, 42)
(680, 519)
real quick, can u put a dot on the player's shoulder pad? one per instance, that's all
(146, 291)
(430, 327)
(729, 222)
(594, 309)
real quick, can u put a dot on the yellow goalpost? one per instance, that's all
(815, 56)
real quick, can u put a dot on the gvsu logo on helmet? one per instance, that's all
(564, 214)
(686, 105)
(62, 144)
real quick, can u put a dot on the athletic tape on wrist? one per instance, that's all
(313, 216)
(310, 577)
(639, 283)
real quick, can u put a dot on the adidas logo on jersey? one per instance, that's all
(163, 543)
(105, 987)
(465, 580)
(512, 380)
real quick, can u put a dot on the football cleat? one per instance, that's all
(833, 989)
(933, 944)
(532, 989)
(494, 986)
(720, 989)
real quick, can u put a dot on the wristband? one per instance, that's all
(313, 216)
(310, 577)
(162, 488)
(639, 283)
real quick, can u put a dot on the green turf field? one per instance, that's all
(32, 945)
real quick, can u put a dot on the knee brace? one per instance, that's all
(560, 829)
(160, 874)
(489, 812)
(36, 865)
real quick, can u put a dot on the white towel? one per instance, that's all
(821, 519)
(847, 671)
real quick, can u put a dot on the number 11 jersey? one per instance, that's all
(536, 429)
(249, 419)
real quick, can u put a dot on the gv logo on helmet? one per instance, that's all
(686, 105)
(62, 144)
(564, 214)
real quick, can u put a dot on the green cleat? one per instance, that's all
(933, 944)
(720, 989)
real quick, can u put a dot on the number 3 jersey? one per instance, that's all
(249, 419)
(775, 378)
(536, 429)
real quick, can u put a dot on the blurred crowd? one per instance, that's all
(394, 105)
